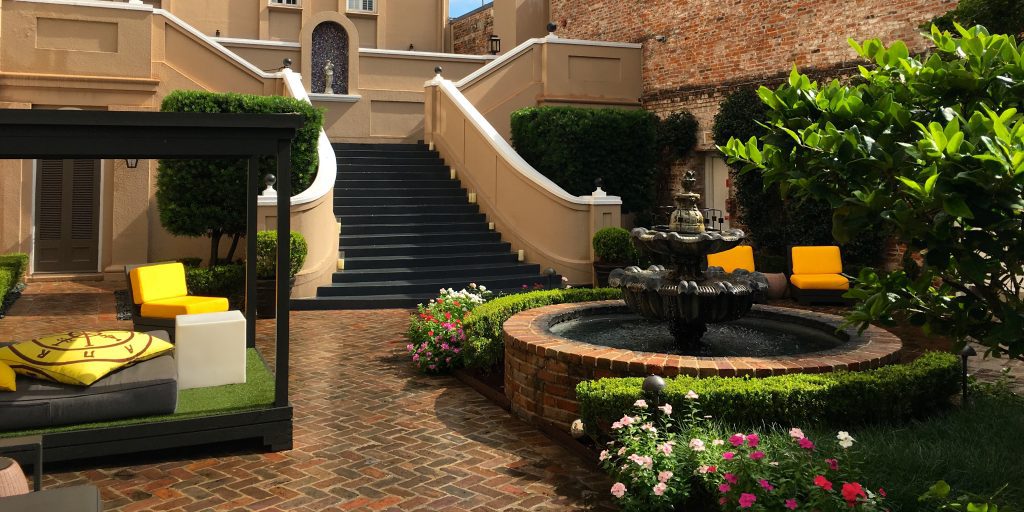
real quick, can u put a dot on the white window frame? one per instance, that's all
(358, 6)
(286, 3)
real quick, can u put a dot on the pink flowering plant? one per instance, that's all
(650, 459)
(794, 476)
(435, 332)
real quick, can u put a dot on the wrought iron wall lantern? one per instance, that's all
(132, 163)
(494, 44)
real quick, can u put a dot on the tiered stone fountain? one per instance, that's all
(679, 317)
(682, 290)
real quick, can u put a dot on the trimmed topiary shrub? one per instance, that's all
(890, 393)
(266, 254)
(575, 146)
(485, 348)
(774, 223)
(207, 197)
(613, 245)
(219, 281)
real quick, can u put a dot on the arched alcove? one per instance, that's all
(330, 42)
(313, 67)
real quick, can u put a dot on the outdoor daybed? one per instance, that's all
(144, 389)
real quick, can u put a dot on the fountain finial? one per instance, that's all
(687, 217)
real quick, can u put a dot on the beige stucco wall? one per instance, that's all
(516, 21)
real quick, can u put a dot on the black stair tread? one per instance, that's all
(409, 209)
(440, 281)
(423, 245)
(402, 229)
(399, 258)
(380, 146)
(375, 220)
(414, 234)
(449, 268)
(395, 301)
(376, 184)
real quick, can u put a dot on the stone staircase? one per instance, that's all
(407, 230)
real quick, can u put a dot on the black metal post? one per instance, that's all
(252, 199)
(284, 194)
(967, 351)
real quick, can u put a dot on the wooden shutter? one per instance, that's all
(67, 216)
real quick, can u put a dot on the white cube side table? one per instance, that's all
(209, 349)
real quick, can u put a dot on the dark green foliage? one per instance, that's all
(266, 254)
(485, 349)
(190, 262)
(219, 281)
(12, 269)
(775, 223)
(207, 197)
(677, 134)
(891, 393)
(575, 146)
(999, 16)
(930, 149)
(613, 245)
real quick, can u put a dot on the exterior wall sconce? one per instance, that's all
(494, 44)
(411, 47)
(132, 163)
(552, 26)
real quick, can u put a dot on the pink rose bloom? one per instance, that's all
(717, 442)
(703, 469)
(791, 504)
(667, 409)
(604, 455)
(731, 478)
(617, 425)
(736, 439)
(724, 488)
(640, 403)
(659, 489)
(622, 450)
(765, 485)
(758, 455)
(626, 421)
(618, 490)
(805, 443)
(753, 440)
(728, 455)
(666, 449)
(664, 476)
(832, 464)
(822, 482)
(696, 445)
(796, 433)
(747, 500)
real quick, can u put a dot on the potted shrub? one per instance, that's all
(612, 249)
(266, 269)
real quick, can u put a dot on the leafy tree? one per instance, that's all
(931, 148)
(773, 222)
(207, 197)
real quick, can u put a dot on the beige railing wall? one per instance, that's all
(553, 71)
(468, 123)
(550, 226)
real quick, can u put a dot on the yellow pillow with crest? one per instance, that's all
(81, 357)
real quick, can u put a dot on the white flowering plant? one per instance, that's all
(650, 459)
(435, 331)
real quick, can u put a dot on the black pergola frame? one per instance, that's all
(78, 134)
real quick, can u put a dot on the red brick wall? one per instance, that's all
(712, 47)
(471, 31)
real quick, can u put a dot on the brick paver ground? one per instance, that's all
(370, 433)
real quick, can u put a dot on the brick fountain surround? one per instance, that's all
(543, 369)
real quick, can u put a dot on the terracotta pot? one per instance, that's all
(602, 270)
(778, 286)
(266, 297)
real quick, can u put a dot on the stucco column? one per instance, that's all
(15, 200)
(129, 224)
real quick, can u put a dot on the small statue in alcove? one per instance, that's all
(329, 78)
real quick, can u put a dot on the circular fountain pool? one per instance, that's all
(549, 350)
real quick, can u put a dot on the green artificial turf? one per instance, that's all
(256, 393)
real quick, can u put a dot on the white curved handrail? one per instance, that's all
(505, 150)
(327, 168)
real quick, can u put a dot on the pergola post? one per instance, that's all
(251, 199)
(284, 194)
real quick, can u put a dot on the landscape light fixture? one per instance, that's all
(494, 44)
(131, 162)
(966, 352)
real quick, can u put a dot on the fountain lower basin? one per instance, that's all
(543, 367)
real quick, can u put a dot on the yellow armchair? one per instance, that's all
(816, 274)
(741, 256)
(160, 294)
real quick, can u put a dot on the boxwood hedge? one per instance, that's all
(12, 268)
(891, 393)
(485, 349)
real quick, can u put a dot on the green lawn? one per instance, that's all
(257, 392)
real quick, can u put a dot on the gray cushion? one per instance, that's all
(144, 389)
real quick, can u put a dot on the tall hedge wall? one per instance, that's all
(575, 146)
